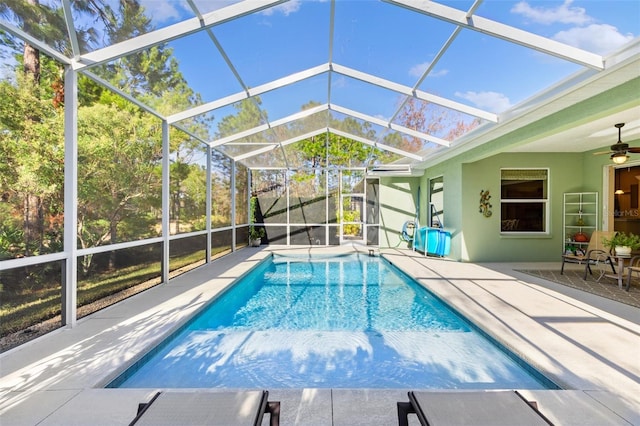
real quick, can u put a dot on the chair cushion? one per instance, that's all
(495, 408)
(203, 408)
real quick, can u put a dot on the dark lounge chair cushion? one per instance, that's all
(499, 408)
(206, 408)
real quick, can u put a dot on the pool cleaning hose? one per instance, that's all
(408, 230)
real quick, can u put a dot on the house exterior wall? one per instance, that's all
(482, 239)
(476, 238)
(398, 201)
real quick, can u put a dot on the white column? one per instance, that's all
(208, 206)
(70, 281)
(233, 205)
(165, 201)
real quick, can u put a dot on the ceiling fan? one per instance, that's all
(620, 149)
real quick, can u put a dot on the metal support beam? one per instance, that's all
(208, 206)
(408, 91)
(39, 44)
(254, 91)
(70, 286)
(504, 32)
(172, 32)
(166, 232)
(233, 204)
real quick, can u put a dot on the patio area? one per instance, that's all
(586, 344)
(143, 138)
(605, 287)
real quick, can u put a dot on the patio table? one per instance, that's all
(620, 272)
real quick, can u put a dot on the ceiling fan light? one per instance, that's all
(619, 158)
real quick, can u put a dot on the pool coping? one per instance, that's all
(58, 377)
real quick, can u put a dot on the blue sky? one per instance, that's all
(398, 45)
(395, 44)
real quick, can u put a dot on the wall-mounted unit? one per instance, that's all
(393, 170)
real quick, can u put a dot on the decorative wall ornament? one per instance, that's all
(485, 205)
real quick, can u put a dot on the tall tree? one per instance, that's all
(32, 159)
(434, 120)
(46, 23)
(248, 115)
(119, 153)
(152, 75)
(31, 54)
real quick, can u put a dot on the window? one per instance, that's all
(436, 202)
(523, 200)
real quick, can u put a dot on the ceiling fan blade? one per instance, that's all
(634, 149)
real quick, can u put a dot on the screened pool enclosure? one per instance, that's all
(142, 139)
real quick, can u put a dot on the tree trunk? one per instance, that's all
(113, 238)
(32, 62)
(32, 223)
(31, 54)
(32, 204)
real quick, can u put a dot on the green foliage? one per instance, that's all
(120, 150)
(248, 116)
(42, 301)
(31, 170)
(11, 241)
(255, 232)
(119, 184)
(351, 228)
(623, 239)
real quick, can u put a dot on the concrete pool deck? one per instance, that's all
(590, 346)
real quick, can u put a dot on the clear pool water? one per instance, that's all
(343, 322)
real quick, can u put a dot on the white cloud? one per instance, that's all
(490, 101)
(596, 38)
(286, 8)
(584, 33)
(161, 11)
(564, 14)
(419, 69)
(339, 81)
(438, 73)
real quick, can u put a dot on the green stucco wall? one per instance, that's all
(482, 240)
(451, 173)
(398, 200)
(477, 238)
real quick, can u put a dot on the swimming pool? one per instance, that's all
(342, 322)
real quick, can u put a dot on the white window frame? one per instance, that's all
(543, 201)
(431, 204)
